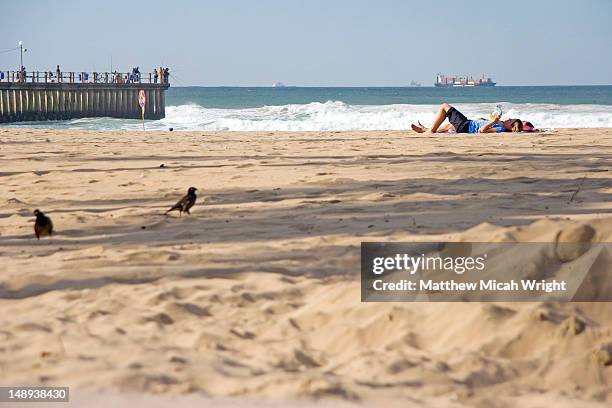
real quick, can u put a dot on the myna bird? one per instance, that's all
(186, 202)
(42, 226)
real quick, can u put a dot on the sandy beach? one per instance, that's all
(256, 294)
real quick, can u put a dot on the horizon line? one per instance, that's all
(375, 86)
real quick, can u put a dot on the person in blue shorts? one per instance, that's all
(459, 123)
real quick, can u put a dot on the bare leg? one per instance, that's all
(440, 117)
(437, 125)
(444, 128)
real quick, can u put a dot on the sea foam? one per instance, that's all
(335, 115)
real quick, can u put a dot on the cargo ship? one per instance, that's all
(446, 81)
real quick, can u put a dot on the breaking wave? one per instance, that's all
(334, 115)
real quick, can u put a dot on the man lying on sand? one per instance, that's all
(459, 123)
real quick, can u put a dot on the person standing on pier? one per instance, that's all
(21, 75)
(155, 76)
(166, 75)
(58, 74)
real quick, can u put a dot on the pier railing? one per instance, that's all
(46, 77)
(26, 96)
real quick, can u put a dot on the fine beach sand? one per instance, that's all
(255, 296)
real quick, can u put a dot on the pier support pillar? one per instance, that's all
(162, 105)
(20, 108)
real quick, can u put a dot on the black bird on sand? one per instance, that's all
(186, 202)
(42, 226)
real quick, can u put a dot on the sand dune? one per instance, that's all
(256, 294)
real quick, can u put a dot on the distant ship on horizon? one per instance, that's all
(446, 81)
(415, 84)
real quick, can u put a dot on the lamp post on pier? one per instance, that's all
(21, 51)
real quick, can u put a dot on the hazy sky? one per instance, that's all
(317, 42)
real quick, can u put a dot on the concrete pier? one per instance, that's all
(42, 100)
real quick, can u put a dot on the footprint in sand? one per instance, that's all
(159, 318)
(187, 309)
(34, 327)
(243, 334)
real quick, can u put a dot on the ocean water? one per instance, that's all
(299, 109)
